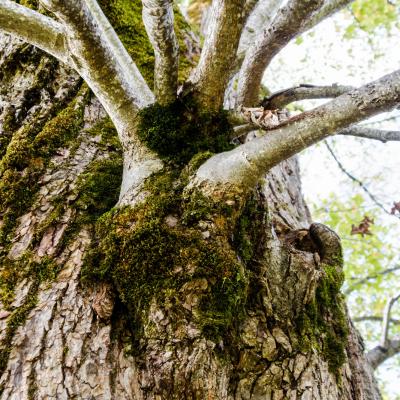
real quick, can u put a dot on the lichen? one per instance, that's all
(179, 131)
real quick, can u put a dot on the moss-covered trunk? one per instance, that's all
(178, 297)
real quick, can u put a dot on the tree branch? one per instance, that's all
(356, 180)
(158, 18)
(370, 133)
(286, 25)
(387, 348)
(386, 320)
(329, 8)
(284, 97)
(99, 57)
(258, 18)
(212, 73)
(370, 277)
(374, 318)
(247, 163)
(378, 354)
(34, 28)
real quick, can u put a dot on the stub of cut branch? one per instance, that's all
(211, 76)
(287, 24)
(247, 163)
(158, 18)
(34, 28)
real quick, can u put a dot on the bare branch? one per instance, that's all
(284, 97)
(34, 28)
(213, 71)
(356, 180)
(374, 318)
(99, 57)
(378, 355)
(387, 348)
(247, 163)
(158, 18)
(329, 8)
(119, 52)
(286, 25)
(258, 18)
(367, 278)
(386, 320)
(370, 133)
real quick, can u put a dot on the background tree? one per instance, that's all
(206, 279)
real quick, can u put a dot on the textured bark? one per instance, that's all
(64, 339)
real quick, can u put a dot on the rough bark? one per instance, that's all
(233, 317)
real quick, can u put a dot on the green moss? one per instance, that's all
(323, 324)
(34, 4)
(180, 130)
(148, 260)
(97, 188)
(26, 158)
(126, 18)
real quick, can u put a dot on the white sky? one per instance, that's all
(324, 58)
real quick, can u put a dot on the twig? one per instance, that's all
(386, 320)
(370, 277)
(356, 180)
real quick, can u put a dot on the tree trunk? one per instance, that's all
(177, 296)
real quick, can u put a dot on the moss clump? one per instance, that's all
(179, 131)
(324, 324)
(148, 260)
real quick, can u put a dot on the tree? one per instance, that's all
(147, 251)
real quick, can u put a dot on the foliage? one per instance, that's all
(371, 14)
(365, 258)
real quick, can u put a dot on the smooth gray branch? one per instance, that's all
(158, 18)
(34, 28)
(374, 318)
(211, 76)
(379, 354)
(287, 24)
(259, 17)
(99, 57)
(370, 133)
(284, 97)
(386, 320)
(329, 8)
(247, 163)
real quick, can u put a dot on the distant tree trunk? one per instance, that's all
(177, 297)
